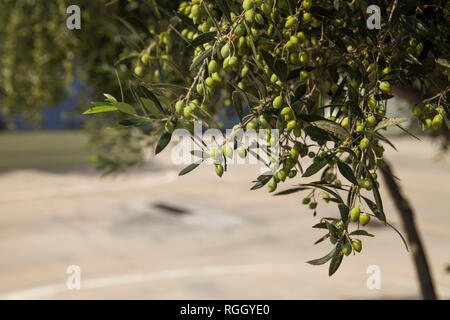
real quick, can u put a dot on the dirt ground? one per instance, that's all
(150, 234)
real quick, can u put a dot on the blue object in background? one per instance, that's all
(57, 117)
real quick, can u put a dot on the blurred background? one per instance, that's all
(144, 232)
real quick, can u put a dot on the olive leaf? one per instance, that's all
(163, 142)
(347, 172)
(335, 263)
(389, 123)
(331, 126)
(189, 168)
(202, 56)
(324, 259)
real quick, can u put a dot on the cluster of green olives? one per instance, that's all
(429, 116)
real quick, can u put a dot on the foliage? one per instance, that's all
(311, 69)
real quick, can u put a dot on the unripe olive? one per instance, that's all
(259, 19)
(273, 78)
(195, 11)
(250, 16)
(228, 151)
(291, 125)
(313, 205)
(307, 4)
(438, 120)
(326, 197)
(179, 106)
(385, 87)
(225, 51)
(290, 22)
(219, 170)
(354, 214)
(209, 82)
(357, 245)
(233, 62)
(252, 125)
(169, 126)
(278, 102)
(294, 154)
(272, 185)
(187, 111)
(364, 219)
(417, 111)
(144, 58)
(307, 17)
(138, 71)
(247, 4)
(372, 103)
(364, 144)
(213, 66)
(242, 152)
(306, 200)
(344, 122)
(346, 249)
(303, 57)
(371, 121)
(244, 71)
(304, 75)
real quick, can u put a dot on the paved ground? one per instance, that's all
(231, 243)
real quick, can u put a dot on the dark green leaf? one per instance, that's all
(361, 232)
(324, 259)
(331, 126)
(202, 56)
(163, 142)
(335, 263)
(322, 238)
(189, 168)
(280, 69)
(343, 210)
(347, 172)
(203, 38)
(290, 191)
(237, 103)
(134, 122)
(261, 183)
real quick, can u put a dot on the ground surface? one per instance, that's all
(228, 243)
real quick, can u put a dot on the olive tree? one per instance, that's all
(311, 70)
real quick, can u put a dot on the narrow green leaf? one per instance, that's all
(189, 168)
(98, 109)
(203, 38)
(150, 95)
(134, 122)
(361, 232)
(163, 142)
(202, 56)
(280, 69)
(331, 126)
(347, 172)
(237, 103)
(343, 210)
(290, 191)
(389, 123)
(322, 238)
(335, 263)
(324, 259)
(261, 183)
(124, 107)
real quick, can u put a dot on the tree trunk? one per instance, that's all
(412, 234)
